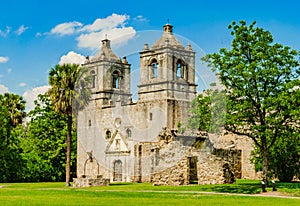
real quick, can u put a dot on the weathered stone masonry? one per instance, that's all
(137, 141)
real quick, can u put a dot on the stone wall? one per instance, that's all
(243, 143)
(172, 164)
(88, 182)
(219, 166)
(176, 175)
(209, 170)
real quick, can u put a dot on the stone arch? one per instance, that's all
(153, 68)
(116, 77)
(93, 76)
(181, 69)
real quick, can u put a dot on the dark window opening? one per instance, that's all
(150, 116)
(128, 131)
(116, 80)
(90, 122)
(108, 134)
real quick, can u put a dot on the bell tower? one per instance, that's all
(167, 74)
(110, 77)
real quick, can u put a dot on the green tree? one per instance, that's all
(285, 157)
(16, 107)
(12, 112)
(44, 145)
(208, 111)
(258, 76)
(68, 94)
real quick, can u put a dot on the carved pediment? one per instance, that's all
(117, 144)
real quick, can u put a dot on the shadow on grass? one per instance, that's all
(241, 186)
(250, 187)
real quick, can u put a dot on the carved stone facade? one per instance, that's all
(124, 141)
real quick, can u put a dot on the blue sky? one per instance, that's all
(34, 35)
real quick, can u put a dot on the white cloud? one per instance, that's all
(72, 58)
(140, 18)
(113, 26)
(117, 36)
(3, 89)
(90, 35)
(21, 30)
(109, 22)
(6, 32)
(67, 28)
(38, 34)
(9, 70)
(31, 95)
(22, 84)
(3, 59)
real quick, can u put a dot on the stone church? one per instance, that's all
(124, 141)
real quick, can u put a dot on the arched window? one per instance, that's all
(154, 68)
(116, 80)
(93, 76)
(179, 69)
(128, 131)
(108, 134)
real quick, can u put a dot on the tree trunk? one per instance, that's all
(264, 162)
(68, 154)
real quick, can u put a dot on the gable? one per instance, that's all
(117, 144)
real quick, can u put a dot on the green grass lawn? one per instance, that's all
(143, 194)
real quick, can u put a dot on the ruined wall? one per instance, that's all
(209, 170)
(243, 143)
(165, 162)
(219, 166)
(178, 174)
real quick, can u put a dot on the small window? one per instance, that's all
(128, 131)
(178, 72)
(150, 116)
(90, 122)
(93, 76)
(154, 68)
(108, 134)
(116, 80)
(179, 69)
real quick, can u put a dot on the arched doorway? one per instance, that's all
(118, 171)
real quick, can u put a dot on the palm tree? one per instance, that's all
(64, 80)
(15, 105)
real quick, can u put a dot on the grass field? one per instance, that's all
(241, 193)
